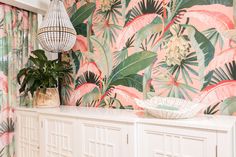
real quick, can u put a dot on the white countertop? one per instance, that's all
(207, 122)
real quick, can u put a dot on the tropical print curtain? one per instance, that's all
(142, 48)
(17, 39)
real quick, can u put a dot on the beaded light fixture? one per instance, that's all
(56, 33)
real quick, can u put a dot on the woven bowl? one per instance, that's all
(170, 108)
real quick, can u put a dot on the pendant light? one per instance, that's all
(56, 33)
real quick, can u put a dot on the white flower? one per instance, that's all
(105, 5)
(177, 49)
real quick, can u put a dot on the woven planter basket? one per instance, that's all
(48, 99)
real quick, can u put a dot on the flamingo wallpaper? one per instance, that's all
(132, 49)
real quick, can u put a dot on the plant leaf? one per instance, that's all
(207, 79)
(40, 54)
(228, 106)
(82, 13)
(76, 56)
(147, 31)
(190, 3)
(133, 27)
(104, 62)
(212, 109)
(132, 65)
(204, 49)
(134, 80)
(81, 29)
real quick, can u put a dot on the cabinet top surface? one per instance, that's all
(220, 123)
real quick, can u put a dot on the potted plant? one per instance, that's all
(41, 79)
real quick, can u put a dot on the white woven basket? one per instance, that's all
(170, 108)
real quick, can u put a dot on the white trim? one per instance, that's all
(37, 6)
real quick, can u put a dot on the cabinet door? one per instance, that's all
(58, 136)
(27, 134)
(103, 139)
(160, 141)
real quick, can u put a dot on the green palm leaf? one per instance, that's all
(113, 13)
(145, 7)
(7, 126)
(40, 54)
(204, 49)
(76, 57)
(120, 56)
(185, 69)
(214, 36)
(104, 62)
(212, 109)
(134, 80)
(87, 77)
(132, 65)
(190, 3)
(72, 9)
(166, 85)
(228, 72)
(82, 13)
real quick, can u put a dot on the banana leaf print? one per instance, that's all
(190, 3)
(167, 85)
(105, 89)
(218, 22)
(219, 92)
(184, 69)
(173, 48)
(205, 51)
(132, 27)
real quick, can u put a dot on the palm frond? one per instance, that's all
(185, 69)
(119, 56)
(88, 77)
(108, 32)
(113, 13)
(228, 72)
(2, 152)
(146, 7)
(214, 36)
(1, 24)
(165, 84)
(7, 126)
(212, 109)
(65, 92)
(129, 43)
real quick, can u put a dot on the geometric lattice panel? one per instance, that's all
(167, 145)
(102, 141)
(59, 138)
(28, 135)
(170, 142)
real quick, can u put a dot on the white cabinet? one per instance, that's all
(82, 132)
(27, 134)
(106, 139)
(161, 141)
(69, 137)
(59, 137)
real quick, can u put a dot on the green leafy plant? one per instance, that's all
(43, 73)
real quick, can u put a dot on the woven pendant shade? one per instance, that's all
(56, 33)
